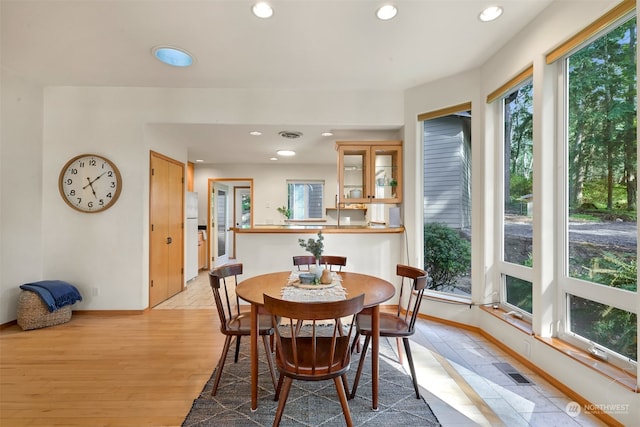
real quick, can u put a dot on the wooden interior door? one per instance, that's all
(166, 238)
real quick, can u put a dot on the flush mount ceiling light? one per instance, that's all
(327, 134)
(262, 10)
(173, 56)
(255, 133)
(490, 13)
(286, 153)
(386, 12)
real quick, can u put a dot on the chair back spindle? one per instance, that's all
(311, 344)
(222, 293)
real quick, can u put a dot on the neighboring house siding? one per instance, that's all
(447, 161)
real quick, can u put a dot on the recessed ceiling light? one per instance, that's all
(173, 56)
(262, 10)
(490, 13)
(199, 161)
(286, 153)
(255, 133)
(273, 158)
(386, 12)
(327, 134)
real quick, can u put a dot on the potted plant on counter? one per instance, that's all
(285, 211)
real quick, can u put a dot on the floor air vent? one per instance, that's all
(512, 373)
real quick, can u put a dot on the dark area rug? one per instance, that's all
(310, 404)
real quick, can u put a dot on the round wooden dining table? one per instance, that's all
(375, 290)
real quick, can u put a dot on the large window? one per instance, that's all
(447, 202)
(518, 175)
(600, 190)
(305, 199)
(517, 229)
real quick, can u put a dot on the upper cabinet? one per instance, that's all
(370, 171)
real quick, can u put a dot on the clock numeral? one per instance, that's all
(81, 164)
(101, 202)
(113, 184)
(92, 162)
(110, 174)
(73, 171)
(68, 181)
(90, 205)
(72, 192)
(79, 200)
(108, 195)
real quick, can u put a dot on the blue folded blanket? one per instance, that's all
(54, 293)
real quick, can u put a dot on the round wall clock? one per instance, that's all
(90, 183)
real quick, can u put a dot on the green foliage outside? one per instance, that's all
(607, 326)
(602, 176)
(447, 255)
(519, 291)
(520, 186)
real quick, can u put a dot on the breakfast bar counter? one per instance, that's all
(313, 229)
(372, 250)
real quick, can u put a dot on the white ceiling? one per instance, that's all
(306, 45)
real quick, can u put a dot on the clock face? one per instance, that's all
(90, 183)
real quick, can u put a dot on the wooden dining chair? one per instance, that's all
(334, 263)
(316, 352)
(233, 321)
(400, 325)
(304, 260)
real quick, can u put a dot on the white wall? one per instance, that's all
(20, 189)
(106, 254)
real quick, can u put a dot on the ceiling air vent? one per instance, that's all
(290, 134)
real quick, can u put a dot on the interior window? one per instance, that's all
(305, 199)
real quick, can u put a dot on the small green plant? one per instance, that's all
(285, 211)
(393, 183)
(315, 247)
(446, 255)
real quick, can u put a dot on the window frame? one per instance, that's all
(306, 206)
(567, 285)
(507, 268)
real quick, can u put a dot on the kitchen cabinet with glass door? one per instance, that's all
(369, 171)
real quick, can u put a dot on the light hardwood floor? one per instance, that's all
(145, 370)
(115, 370)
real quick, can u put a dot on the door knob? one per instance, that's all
(169, 240)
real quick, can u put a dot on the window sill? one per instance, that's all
(447, 298)
(521, 324)
(618, 375)
(622, 377)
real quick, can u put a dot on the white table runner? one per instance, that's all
(333, 293)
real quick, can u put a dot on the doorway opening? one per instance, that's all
(229, 208)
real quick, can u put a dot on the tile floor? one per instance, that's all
(457, 372)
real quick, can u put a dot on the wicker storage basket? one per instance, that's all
(33, 313)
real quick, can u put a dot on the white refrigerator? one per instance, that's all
(191, 267)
